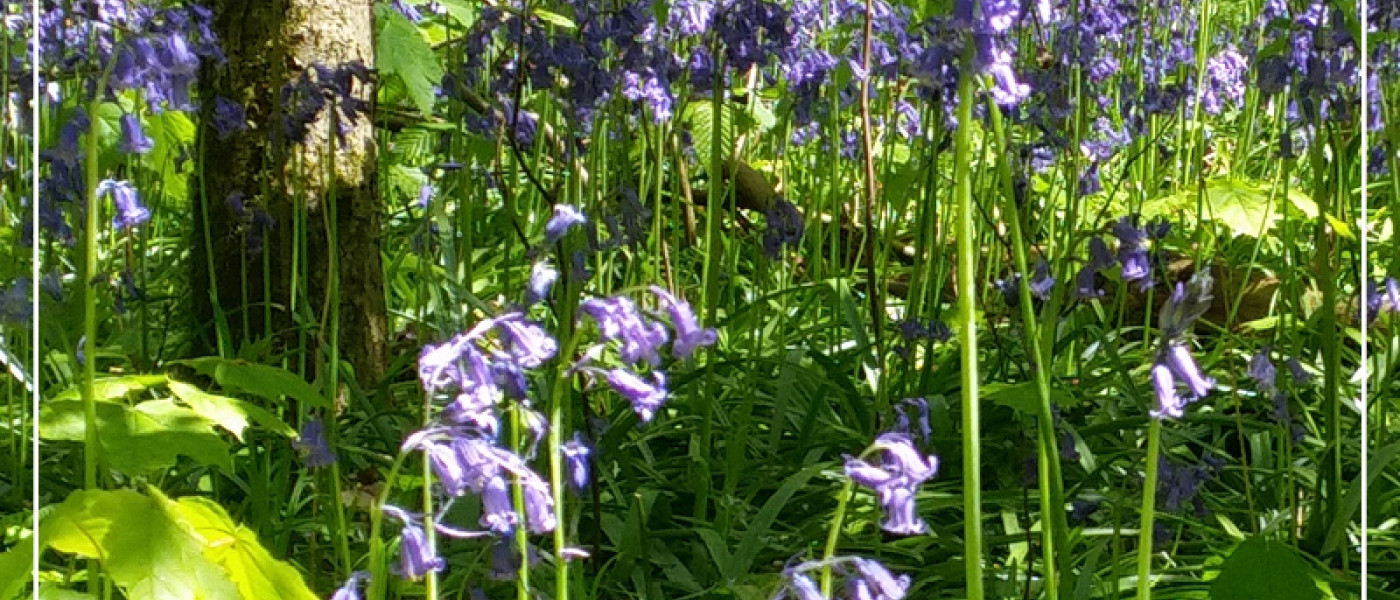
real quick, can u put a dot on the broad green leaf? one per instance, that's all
(150, 436)
(403, 53)
(1260, 569)
(259, 380)
(170, 130)
(700, 117)
(230, 413)
(16, 568)
(1241, 206)
(148, 550)
(1021, 397)
(49, 591)
(236, 549)
(114, 388)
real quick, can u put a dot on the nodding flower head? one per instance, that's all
(130, 212)
(351, 589)
(895, 480)
(315, 451)
(565, 217)
(1262, 371)
(646, 397)
(689, 334)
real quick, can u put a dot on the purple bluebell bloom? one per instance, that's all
(785, 227)
(229, 118)
(565, 218)
(1300, 375)
(895, 480)
(416, 557)
(646, 398)
(134, 140)
(529, 344)
(803, 587)
(1132, 252)
(539, 504)
(351, 589)
(312, 445)
(689, 334)
(130, 212)
(1042, 284)
(542, 277)
(1262, 371)
(1169, 404)
(497, 512)
(1391, 295)
(1187, 303)
(1086, 285)
(884, 584)
(619, 320)
(576, 460)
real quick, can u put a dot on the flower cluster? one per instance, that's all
(895, 478)
(1178, 485)
(482, 374)
(865, 579)
(1174, 361)
(305, 98)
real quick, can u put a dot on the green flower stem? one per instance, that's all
(1054, 526)
(91, 445)
(378, 551)
(1149, 507)
(559, 403)
(517, 496)
(833, 534)
(341, 535)
(967, 330)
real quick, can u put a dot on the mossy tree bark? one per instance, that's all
(269, 44)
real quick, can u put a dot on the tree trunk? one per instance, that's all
(269, 44)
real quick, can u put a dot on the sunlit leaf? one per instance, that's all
(231, 414)
(148, 437)
(260, 380)
(403, 53)
(149, 552)
(236, 548)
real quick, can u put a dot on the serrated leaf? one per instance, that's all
(1260, 569)
(700, 117)
(402, 52)
(231, 414)
(236, 549)
(150, 436)
(150, 553)
(259, 380)
(1241, 206)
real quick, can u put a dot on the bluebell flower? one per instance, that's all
(1081, 510)
(529, 344)
(351, 589)
(565, 218)
(497, 512)
(312, 444)
(542, 277)
(416, 557)
(229, 118)
(1042, 284)
(619, 320)
(689, 334)
(646, 398)
(1262, 371)
(130, 212)
(1187, 303)
(576, 460)
(134, 140)
(1086, 284)
(15, 305)
(882, 584)
(784, 228)
(1300, 375)
(895, 480)
(803, 587)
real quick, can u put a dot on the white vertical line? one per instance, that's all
(1365, 280)
(34, 285)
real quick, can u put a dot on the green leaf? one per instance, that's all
(114, 388)
(236, 549)
(554, 18)
(403, 53)
(700, 117)
(1241, 206)
(759, 529)
(231, 414)
(150, 436)
(16, 568)
(259, 380)
(1260, 569)
(49, 591)
(1021, 397)
(170, 130)
(150, 552)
